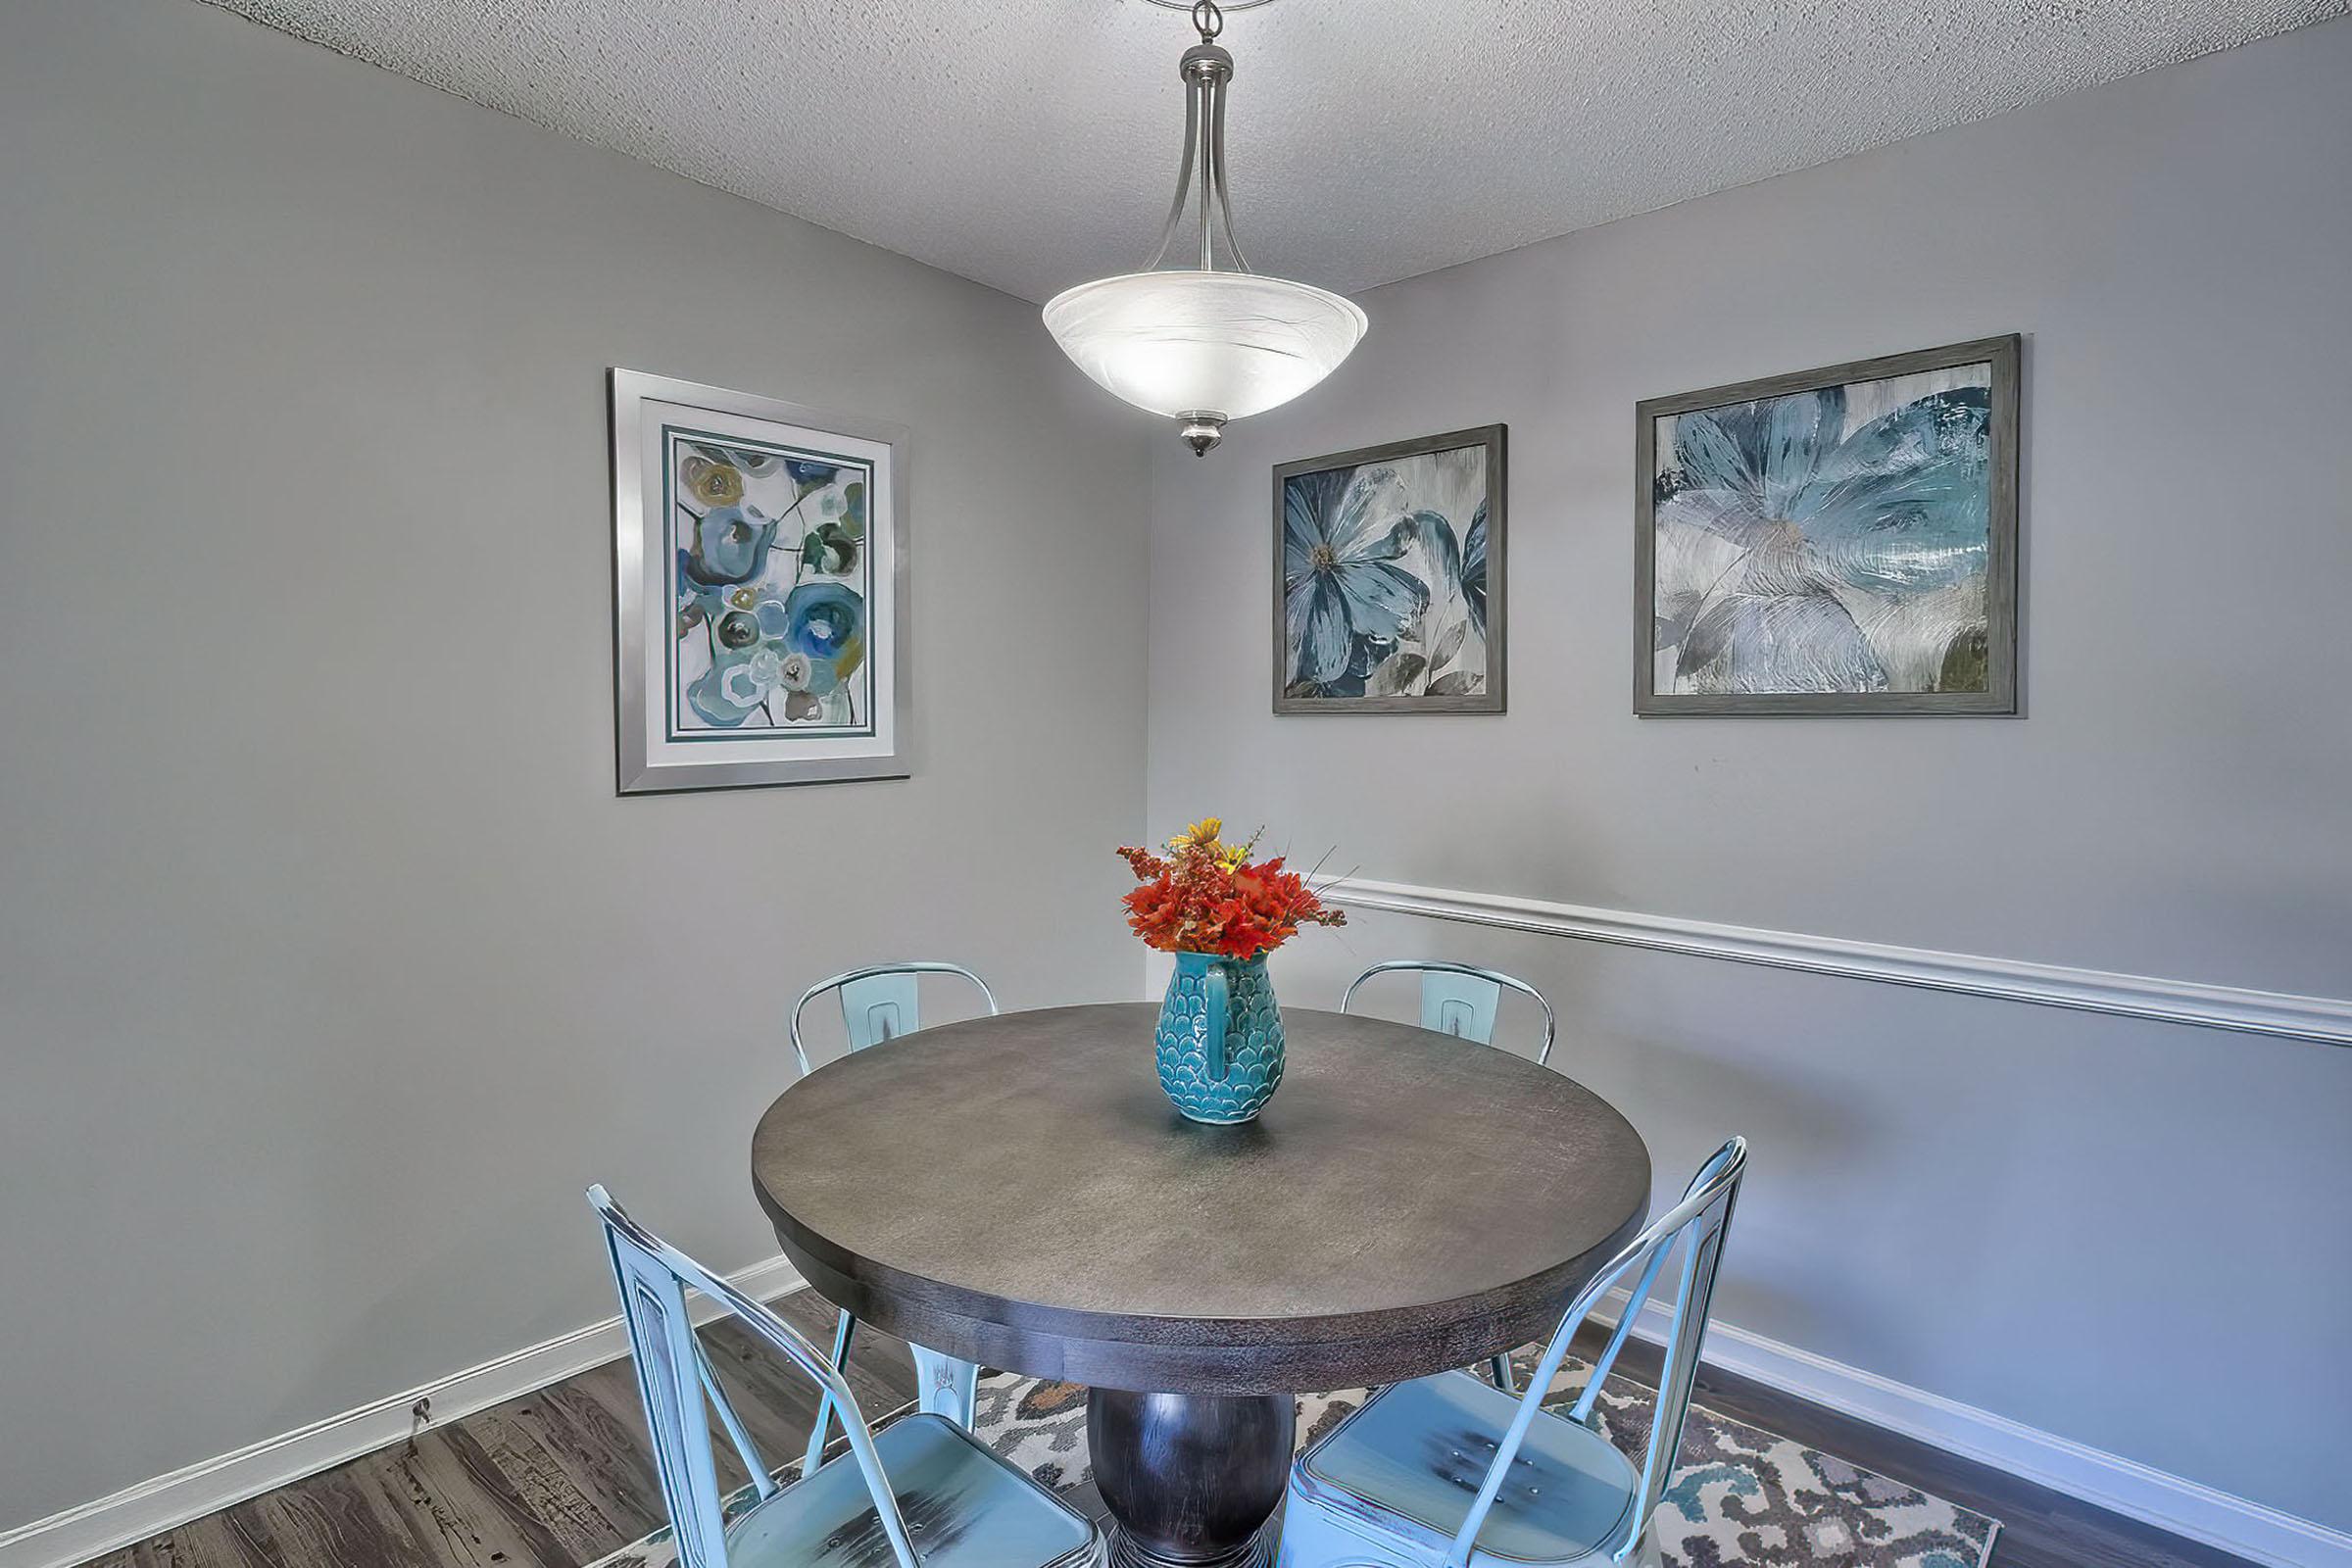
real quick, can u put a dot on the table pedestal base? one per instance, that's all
(1257, 1552)
(1191, 1479)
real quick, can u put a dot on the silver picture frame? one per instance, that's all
(653, 754)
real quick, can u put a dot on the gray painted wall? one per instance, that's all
(2081, 1223)
(330, 968)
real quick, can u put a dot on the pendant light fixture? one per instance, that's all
(1204, 342)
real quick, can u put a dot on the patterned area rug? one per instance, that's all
(1740, 1496)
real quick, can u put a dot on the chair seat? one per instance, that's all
(1413, 1459)
(965, 1509)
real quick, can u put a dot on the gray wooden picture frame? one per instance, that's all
(1999, 698)
(642, 612)
(1494, 439)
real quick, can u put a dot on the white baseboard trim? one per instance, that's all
(168, 1501)
(2109, 1481)
(2327, 1021)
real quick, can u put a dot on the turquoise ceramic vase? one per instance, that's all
(1220, 1038)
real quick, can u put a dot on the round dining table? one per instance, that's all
(1016, 1191)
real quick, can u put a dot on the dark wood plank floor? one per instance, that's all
(562, 1477)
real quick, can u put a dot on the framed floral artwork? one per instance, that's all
(1388, 578)
(1833, 541)
(760, 589)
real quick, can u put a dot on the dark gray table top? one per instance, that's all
(1018, 1191)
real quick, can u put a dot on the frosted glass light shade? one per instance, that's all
(1227, 344)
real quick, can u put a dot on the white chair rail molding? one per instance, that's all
(760, 814)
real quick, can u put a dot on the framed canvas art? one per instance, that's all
(1388, 578)
(1836, 541)
(761, 588)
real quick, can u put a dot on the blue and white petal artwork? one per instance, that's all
(1836, 540)
(1385, 594)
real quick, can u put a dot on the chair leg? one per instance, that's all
(948, 1387)
(844, 1329)
(1500, 1367)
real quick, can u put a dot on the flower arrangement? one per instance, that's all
(1205, 895)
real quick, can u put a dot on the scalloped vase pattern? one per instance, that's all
(1219, 1043)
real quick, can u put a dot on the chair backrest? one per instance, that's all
(1698, 1223)
(878, 1003)
(675, 1377)
(1458, 999)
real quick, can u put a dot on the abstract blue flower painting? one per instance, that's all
(759, 559)
(768, 639)
(1388, 578)
(1842, 541)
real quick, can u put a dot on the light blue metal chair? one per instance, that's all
(1445, 1472)
(1459, 1000)
(882, 1002)
(878, 1003)
(923, 1493)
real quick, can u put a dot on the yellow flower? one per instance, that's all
(716, 484)
(1203, 834)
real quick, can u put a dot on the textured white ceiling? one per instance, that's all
(1032, 143)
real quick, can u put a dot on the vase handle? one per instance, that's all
(1216, 997)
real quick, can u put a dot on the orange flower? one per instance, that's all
(1203, 897)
